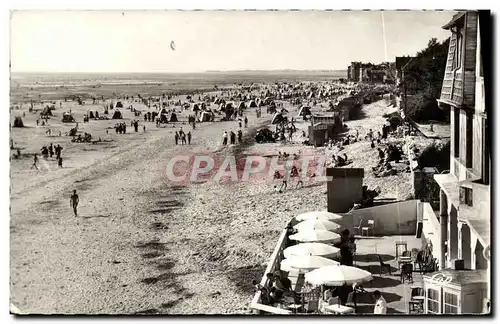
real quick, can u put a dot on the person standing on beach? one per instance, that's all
(74, 200)
(51, 150)
(59, 162)
(189, 137)
(246, 122)
(35, 160)
(224, 138)
(176, 136)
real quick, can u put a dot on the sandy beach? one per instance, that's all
(141, 242)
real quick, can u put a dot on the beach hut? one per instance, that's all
(304, 111)
(173, 118)
(18, 122)
(252, 104)
(163, 118)
(117, 115)
(205, 117)
(67, 118)
(278, 118)
(195, 107)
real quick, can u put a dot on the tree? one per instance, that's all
(425, 74)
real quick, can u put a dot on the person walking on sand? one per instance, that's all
(246, 122)
(144, 128)
(74, 200)
(59, 162)
(286, 176)
(224, 138)
(51, 150)
(176, 136)
(35, 161)
(189, 138)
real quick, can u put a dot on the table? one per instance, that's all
(294, 307)
(401, 243)
(339, 309)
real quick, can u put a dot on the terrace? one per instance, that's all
(393, 223)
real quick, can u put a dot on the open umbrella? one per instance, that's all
(315, 236)
(319, 249)
(305, 263)
(318, 225)
(337, 275)
(318, 215)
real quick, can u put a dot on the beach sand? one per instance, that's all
(142, 243)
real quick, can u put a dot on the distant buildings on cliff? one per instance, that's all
(372, 73)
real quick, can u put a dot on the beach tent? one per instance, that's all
(252, 104)
(241, 105)
(304, 111)
(267, 101)
(67, 118)
(163, 111)
(119, 104)
(163, 118)
(90, 114)
(117, 115)
(46, 111)
(278, 118)
(173, 118)
(195, 107)
(205, 117)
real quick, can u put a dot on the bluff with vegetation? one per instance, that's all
(424, 79)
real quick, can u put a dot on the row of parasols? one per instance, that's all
(315, 255)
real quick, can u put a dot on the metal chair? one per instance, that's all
(371, 226)
(358, 228)
(407, 272)
(384, 266)
(351, 301)
(312, 306)
(416, 302)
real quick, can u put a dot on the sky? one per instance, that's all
(140, 41)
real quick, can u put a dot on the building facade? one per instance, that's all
(465, 191)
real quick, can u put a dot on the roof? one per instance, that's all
(462, 276)
(454, 20)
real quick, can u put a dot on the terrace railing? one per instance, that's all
(274, 264)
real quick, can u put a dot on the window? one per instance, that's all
(466, 196)
(457, 59)
(432, 301)
(450, 303)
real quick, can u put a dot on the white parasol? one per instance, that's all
(319, 249)
(318, 215)
(315, 236)
(311, 225)
(337, 276)
(305, 263)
